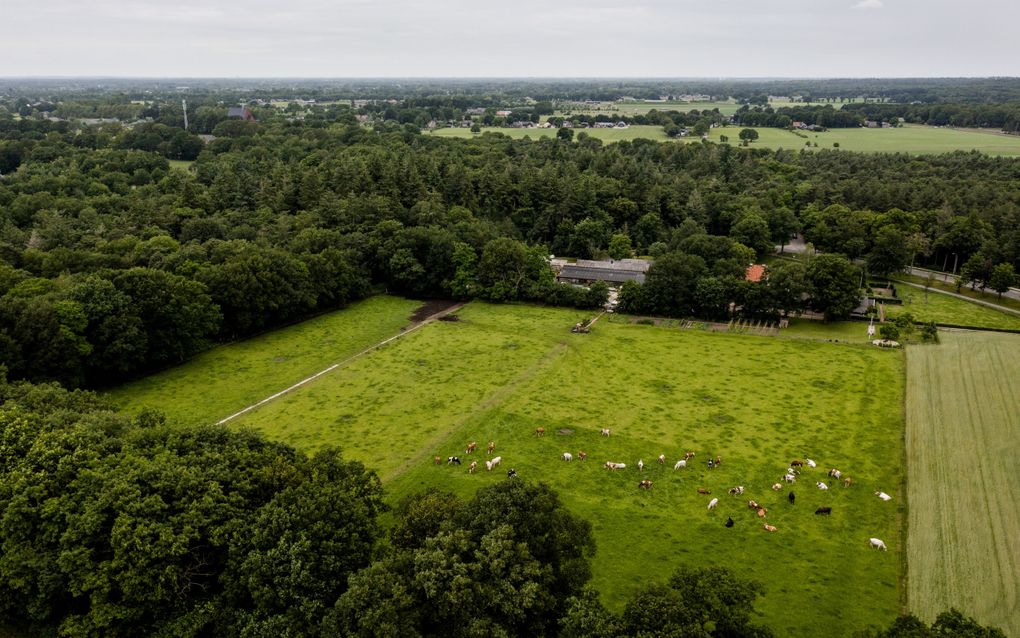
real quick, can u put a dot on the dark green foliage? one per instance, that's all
(950, 623)
(121, 528)
(506, 563)
(834, 284)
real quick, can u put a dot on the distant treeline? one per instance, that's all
(1001, 116)
(784, 117)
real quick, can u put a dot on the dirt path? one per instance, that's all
(446, 309)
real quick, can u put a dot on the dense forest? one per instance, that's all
(115, 263)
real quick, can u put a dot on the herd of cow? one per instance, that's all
(790, 476)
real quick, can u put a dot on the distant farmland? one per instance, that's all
(963, 420)
(913, 139)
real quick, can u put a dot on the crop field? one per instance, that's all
(225, 379)
(963, 416)
(502, 371)
(914, 139)
(607, 135)
(944, 309)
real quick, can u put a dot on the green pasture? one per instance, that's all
(963, 416)
(727, 107)
(914, 139)
(943, 309)
(758, 402)
(940, 283)
(181, 164)
(223, 380)
(607, 135)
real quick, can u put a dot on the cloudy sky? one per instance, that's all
(479, 38)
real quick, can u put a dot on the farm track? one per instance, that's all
(309, 379)
(964, 493)
(490, 402)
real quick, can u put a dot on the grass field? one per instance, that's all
(938, 283)
(944, 309)
(729, 107)
(181, 164)
(225, 379)
(608, 135)
(963, 416)
(914, 139)
(502, 371)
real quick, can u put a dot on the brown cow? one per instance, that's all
(539, 431)
(471, 447)
(753, 504)
(770, 528)
(762, 512)
(847, 482)
(646, 485)
(491, 448)
(472, 467)
(718, 460)
(702, 490)
(796, 463)
(662, 459)
(581, 455)
(688, 456)
(438, 460)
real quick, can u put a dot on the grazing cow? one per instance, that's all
(471, 447)
(679, 464)
(792, 497)
(848, 481)
(645, 485)
(737, 490)
(789, 478)
(567, 456)
(491, 448)
(438, 460)
(718, 460)
(834, 473)
(493, 462)
(704, 490)
(821, 486)
(762, 512)
(640, 465)
(777, 486)
(604, 431)
(729, 522)
(878, 543)
(511, 473)
(770, 528)
(688, 456)
(713, 503)
(581, 455)
(472, 467)
(662, 459)
(792, 471)
(455, 460)
(883, 496)
(810, 463)
(539, 431)
(753, 504)
(823, 511)
(796, 463)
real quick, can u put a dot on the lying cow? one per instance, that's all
(770, 528)
(645, 485)
(823, 511)
(834, 473)
(821, 486)
(883, 496)
(704, 490)
(777, 486)
(737, 490)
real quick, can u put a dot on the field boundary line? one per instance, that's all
(307, 380)
(980, 302)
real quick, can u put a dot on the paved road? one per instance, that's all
(965, 298)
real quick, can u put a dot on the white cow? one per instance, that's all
(883, 496)
(620, 466)
(679, 464)
(878, 543)
(789, 478)
(567, 456)
(822, 486)
(810, 463)
(604, 431)
(640, 465)
(713, 503)
(493, 462)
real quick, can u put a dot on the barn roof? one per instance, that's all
(608, 275)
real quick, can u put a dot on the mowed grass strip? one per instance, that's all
(943, 309)
(503, 371)
(963, 420)
(227, 378)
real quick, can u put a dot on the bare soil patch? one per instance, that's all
(431, 307)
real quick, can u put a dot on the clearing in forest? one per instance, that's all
(500, 372)
(963, 451)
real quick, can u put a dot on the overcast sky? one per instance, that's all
(522, 38)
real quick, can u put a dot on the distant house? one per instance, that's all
(755, 273)
(241, 112)
(503, 113)
(622, 124)
(613, 271)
